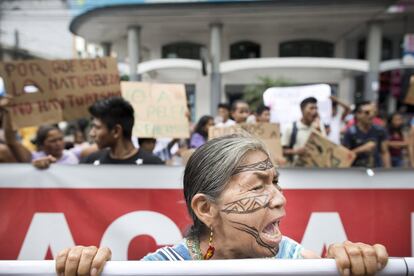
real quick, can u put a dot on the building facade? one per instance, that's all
(218, 47)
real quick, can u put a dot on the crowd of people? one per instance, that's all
(107, 137)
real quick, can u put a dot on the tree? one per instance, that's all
(253, 94)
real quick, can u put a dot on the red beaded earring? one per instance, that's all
(210, 251)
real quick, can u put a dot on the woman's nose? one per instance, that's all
(277, 199)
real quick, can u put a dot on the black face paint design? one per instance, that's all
(255, 234)
(259, 166)
(247, 205)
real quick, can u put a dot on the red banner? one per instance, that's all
(35, 223)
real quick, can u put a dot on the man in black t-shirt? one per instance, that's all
(367, 140)
(111, 130)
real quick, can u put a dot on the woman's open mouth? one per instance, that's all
(271, 234)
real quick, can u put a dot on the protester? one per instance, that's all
(239, 111)
(112, 123)
(367, 140)
(49, 143)
(337, 119)
(263, 114)
(295, 136)
(233, 196)
(148, 145)
(398, 141)
(200, 135)
(223, 118)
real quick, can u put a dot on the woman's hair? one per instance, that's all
(42, 133)
(210, 168)
(391, 128)
(199, 128)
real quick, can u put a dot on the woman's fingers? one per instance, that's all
(382, 255)
(338, 252)
(358, 258)
(72, 261)
(87, 256)
(103, 255)
(61, 261)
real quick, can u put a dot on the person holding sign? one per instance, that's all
(296, 135)
(112, 123)
(49, 143)
(367, 140)
(234, 198)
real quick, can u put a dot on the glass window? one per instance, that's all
(244, 49)
(306, 48)
(182, 50)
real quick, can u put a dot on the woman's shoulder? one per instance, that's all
(289, 249)
(178, 252)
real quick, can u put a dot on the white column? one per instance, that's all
(373, 55)
(215, 53)
(134, 48)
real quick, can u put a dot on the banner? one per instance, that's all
(137, 210)
(268, 133)
(284, 102)
(58, 90)
(160, 109)
(322, 153)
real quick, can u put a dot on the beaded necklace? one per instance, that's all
(193, 245)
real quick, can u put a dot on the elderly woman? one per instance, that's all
(233, 196)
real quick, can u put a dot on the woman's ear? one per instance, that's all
(206, 210)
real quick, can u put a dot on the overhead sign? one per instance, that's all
(160, 109)
(45, 91)
(322, 153)
(284, 102)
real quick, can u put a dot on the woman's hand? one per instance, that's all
(81, 260)
(358, 258)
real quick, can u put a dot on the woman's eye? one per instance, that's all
(257, 188)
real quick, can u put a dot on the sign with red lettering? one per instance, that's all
(146, 209)
(52, 91)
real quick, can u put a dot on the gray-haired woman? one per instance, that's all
(233, 196)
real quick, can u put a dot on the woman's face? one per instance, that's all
(54, 144)
(209, 124)
(397, 121)
(251, 208)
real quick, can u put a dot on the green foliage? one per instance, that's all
(253, 94)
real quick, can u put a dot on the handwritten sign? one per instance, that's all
(52, 91)
(284, 102)
(268, 133)
(159, 109)
(322, 153)
(409, 99)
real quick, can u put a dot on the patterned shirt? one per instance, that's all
(288, 249)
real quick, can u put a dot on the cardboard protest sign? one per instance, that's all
(268, 133)
(409, 99)
(159, 109)
(323, 153)
(32, 102)
(52, 91)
